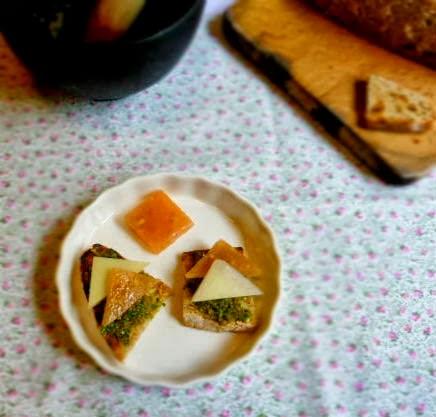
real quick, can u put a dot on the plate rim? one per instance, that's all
(64, 301)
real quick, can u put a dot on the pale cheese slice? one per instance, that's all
(224, 281)
(100, 268)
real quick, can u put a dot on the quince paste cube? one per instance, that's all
(224, 251)
(157, 221)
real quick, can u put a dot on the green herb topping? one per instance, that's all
(121, 328)
(226, 309)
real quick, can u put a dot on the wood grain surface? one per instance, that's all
(323, 66)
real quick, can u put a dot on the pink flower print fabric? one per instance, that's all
(354, 333)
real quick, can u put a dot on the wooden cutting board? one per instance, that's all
(323, 66)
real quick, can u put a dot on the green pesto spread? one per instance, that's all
(121, 328)
(226, 309)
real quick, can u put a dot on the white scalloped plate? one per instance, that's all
(169, 353)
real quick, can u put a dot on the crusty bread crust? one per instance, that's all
(407, 26)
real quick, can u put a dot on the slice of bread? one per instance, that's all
(396, 108)
(132, 302)
(196, 315)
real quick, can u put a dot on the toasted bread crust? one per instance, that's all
(189, 259)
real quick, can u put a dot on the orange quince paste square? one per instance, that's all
(222, 250)
(157, 221)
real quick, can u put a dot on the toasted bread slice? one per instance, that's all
(205, 315)
(133, 300)
(396, 108)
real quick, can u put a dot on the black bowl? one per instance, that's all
(106, 70)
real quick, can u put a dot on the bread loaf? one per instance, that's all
(407, 26)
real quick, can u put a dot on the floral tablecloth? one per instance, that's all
(354, 334)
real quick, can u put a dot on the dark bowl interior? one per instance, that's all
(106, 70)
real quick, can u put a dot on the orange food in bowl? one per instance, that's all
(157, 221)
